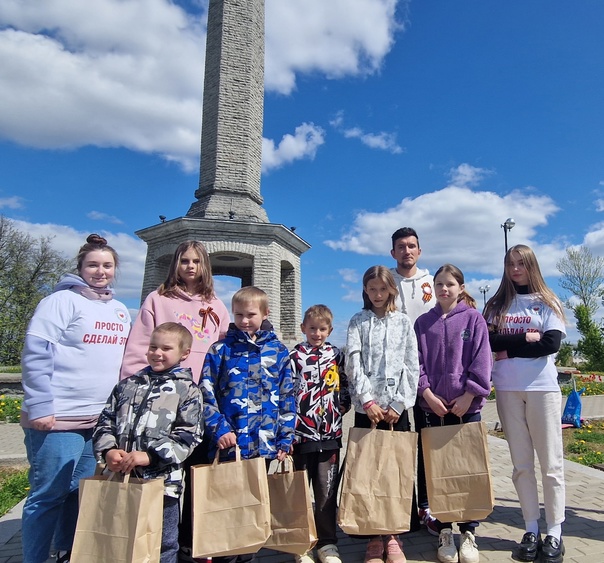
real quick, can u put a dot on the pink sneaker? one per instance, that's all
(375, 550)
(394, 550)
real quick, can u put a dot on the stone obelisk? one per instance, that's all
(227, 215)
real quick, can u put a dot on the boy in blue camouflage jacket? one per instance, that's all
(152, 422)
(247, 384)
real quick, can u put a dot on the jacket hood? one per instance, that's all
(419, 274)
(175, 372)
(459, 308)
(68, 281)
(307, 348)
(262, 336)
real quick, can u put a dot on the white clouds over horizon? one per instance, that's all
(458, 223)
(74, 74)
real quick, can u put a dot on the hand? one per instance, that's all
(532, 336)
(227, 441)
(281, 455)
(437, 404)
(375, 413)
(44, 424)
(134, 459)
(461, 404)
(113, 458)
(391, 416)
(503, 355)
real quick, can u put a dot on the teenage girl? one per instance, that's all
(455, 379)
(71, 360)
(526, 323)
(186, 297)
(383, 369)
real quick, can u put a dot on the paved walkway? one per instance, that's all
(496, 536)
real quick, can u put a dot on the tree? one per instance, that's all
(591, 346)
(29, 268)
(582, 275)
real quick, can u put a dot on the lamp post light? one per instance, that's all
(484, 289)
(507, 226)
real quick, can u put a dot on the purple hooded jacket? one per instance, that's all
(454, 355)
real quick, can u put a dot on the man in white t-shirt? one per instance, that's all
(415, 285)
(416, 297)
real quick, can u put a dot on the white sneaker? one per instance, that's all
(468, 550)
(447, 552)
(329, 554)
(305, 557)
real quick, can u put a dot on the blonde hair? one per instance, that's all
(383, 274)
(251, 294)
(459, 278)
(319, 312)
(185, 339)
(498, 305)
(205, 283)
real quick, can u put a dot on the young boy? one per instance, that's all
(247, 387)
(153, 421)
(321, 399)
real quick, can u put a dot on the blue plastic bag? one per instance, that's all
(572, 409)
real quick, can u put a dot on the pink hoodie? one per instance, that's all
(185, 310)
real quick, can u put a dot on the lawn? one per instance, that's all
(13, 487)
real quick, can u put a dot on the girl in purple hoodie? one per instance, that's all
(455, 378)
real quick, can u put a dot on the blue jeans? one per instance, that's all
(58, 460)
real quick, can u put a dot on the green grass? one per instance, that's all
(10, 369)
(13, 487)
(10, 409)
(585, 445)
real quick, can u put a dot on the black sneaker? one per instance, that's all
(529, 547)
(552, 550)
(63, 556)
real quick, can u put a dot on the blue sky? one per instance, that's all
(448, 116)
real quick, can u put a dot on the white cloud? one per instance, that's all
(14, 202)
(599, 203)
(466, 175)
(349, 275)
(131, 252)
(383, 140)
(459, 225)
(99, 216)
(303, 144)
(110, 73)
(336, 38)
(353, 295)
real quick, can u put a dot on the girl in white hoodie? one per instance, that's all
(383, 369)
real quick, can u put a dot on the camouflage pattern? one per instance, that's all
(247, 389)
(168, 429)
(321, 389)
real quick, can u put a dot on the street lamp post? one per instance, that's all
(507, 226)
(484, 289)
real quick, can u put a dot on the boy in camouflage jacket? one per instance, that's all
(152, 422)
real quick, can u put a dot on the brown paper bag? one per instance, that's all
(231, 507)
(292, 519)
(377, 487)
(458, 473)
(119, 521)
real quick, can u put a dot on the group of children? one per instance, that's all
(270, 402)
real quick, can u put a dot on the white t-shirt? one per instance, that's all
(528, 313)
(88, 339)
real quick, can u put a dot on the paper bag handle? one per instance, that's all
(217, 455)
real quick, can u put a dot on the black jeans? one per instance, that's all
(427, 420)
(323, 468)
